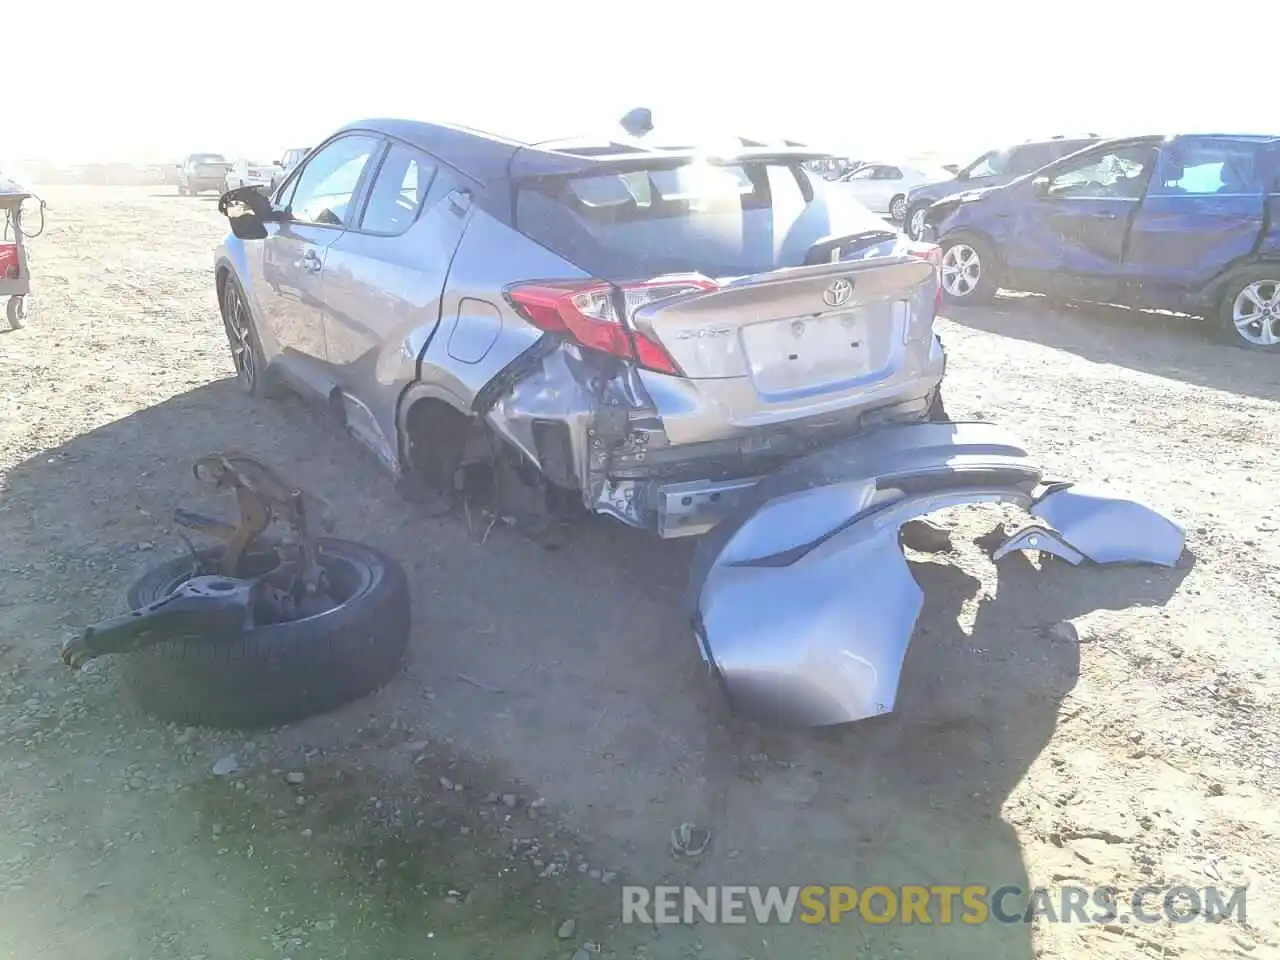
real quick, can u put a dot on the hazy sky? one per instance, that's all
(140, 80)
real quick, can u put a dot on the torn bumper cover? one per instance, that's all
(804, 603)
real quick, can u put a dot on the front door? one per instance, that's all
(1204, 211)
(291, 293)
(1071, 227)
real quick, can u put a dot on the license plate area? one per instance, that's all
(794, 357)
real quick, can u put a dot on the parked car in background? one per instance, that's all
(991, 169)
(201, 172)
(244, 173)
(286, 165)
(642, 332)
(883, 187)
(1186, 223)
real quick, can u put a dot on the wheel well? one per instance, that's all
(436, 436)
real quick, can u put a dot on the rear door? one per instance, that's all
(1204, 211)
(320, 203)
(383, 281)
(1071, 225)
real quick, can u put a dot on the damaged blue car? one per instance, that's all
(1184, 223)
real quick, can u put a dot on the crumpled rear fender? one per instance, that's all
(804, 603)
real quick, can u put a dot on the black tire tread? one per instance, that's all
(280, 672)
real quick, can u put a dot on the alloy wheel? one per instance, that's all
(916, 225)
(898, 209)
(235, 317)
(1256, 313)
(961, 270)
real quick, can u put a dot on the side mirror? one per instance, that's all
(248, 212)
(1040, 187)
(962, 174)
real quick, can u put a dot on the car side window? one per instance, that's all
(988, 165)
(322, 192)
(398, 191)
(863, 173)
(1117, 174)
(889, 173)
(1206, 169)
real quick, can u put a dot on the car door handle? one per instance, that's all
(311, 261)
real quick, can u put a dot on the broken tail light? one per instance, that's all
(933, 254)
(587, 314)
(9, 269)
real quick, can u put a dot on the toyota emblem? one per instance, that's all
(838, 293)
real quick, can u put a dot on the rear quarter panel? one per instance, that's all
(480, 333)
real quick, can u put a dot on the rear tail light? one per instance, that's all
(932, 253)
(9, 261)
(587, 313)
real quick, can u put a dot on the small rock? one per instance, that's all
(689, 840)
(566, 929)
(446, 783)
(295, 777)
(307, 833)
(226, 766)
(509, 799)
(1215, 790)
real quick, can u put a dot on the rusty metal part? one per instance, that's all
(262, 497)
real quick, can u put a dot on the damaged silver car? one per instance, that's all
(637, 332)
(691, 342)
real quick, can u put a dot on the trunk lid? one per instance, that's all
(801, 331)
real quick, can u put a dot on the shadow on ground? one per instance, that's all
(573, 670)
(1179, 347)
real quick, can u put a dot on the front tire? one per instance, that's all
(913, 226)
(898, 208)
(16, 312)
(247, 355)
(278, 672)
(1249, 316)
(970, 271)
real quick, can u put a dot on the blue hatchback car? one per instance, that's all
(1188, 223)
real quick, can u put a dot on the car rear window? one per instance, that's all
(719, 220)
(208, 158)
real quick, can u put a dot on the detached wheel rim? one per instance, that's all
(916, 226)
(898, 208)
(1256, 313)
(961, 270)
(235, 317)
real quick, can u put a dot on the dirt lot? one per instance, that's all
(1143, 753)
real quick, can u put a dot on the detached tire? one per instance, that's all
(283, 671)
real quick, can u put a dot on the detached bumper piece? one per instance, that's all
(804, 602)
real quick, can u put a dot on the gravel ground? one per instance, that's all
(551, 726)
